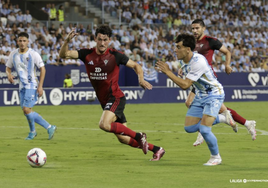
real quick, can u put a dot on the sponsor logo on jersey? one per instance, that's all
(91, 63)
(97, 69)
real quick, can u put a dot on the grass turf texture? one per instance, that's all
(81, 155)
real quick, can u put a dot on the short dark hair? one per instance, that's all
(23, 34)
(105, 30)
(187, 40)
(199, 21)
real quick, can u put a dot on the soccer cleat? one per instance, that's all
(31, 136)
(51, 131)
(229, 120)
(143, 143)
(199, 139)
(251, 129)
(158, 155)
(214, 160)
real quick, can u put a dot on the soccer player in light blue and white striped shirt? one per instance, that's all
(209, 92)
(25, 60)
(206, 83)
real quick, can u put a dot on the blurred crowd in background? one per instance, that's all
(149, 30)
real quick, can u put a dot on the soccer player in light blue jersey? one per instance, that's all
(25, 60)
(209, 93)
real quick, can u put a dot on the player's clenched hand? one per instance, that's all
(145, 85)
(71, 35)
(11, 79)
(40, 91)
(228, 69)
(180, 73)
(162, 66)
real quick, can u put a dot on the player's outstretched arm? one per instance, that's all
(228, 68)
(183, 83)
(137, 68)
(41, 81)
(65, 53)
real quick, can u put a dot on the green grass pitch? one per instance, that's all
(82, 156)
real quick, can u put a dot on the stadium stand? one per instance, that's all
(148, 28)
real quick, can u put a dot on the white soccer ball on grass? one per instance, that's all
(36, 157)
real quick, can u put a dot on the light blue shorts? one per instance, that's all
(28, 97)
(210, 105)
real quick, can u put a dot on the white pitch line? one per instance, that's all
(263, 132)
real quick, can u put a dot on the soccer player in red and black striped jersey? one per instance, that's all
(206, 46)
(102, 65)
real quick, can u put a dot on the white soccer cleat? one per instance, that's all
(251, 129)
(229, 120)
(199, 139)
(214, 160)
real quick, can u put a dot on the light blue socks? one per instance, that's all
(210, 138)
(30, 118)
(192, 128)
(40, 120)
(35, 117)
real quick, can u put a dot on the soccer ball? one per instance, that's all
(36, 157)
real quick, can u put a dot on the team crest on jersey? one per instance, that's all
(201, 45)
(105, 61)
(195, 59)
(27, 58)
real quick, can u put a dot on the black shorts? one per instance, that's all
(117, 106)
(193, 90)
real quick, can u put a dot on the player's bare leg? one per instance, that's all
(193, 124)
(189, 99)
(188, 102)
(224, 111)
(107, 124)
(220, 119)
(158, 151)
